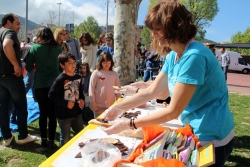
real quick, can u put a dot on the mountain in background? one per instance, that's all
(31, 25)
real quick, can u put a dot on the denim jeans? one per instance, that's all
(12, 87)
(29, 83)
(222, 153)
(47, 110)
(149, 73)
(65, 124)
(225, 69)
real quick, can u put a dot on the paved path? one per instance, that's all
(238, 82)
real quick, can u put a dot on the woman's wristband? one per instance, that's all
(131, 123)
(137, 90)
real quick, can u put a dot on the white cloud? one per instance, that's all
(71, 10)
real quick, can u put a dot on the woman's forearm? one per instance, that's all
(145, 95)
(157, 118)
(134, 101)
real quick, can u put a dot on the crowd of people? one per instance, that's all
(188, 76)
(71, 80)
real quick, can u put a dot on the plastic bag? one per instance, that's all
(99, 154)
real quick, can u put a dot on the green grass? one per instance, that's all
(239, 105)
(30, 156)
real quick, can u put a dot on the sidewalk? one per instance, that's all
(237, 82)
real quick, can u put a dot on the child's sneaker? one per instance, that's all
(7, 142)
(28, 139)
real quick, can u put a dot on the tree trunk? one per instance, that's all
(126, 14)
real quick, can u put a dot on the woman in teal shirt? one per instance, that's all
(192, 77)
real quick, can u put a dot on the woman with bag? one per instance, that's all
(188, 76)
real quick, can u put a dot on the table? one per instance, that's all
(65, 156)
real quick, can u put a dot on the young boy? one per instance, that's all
(67, 93)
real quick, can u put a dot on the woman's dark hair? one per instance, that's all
(104, 56)
(7, 17)
(45, 36)
(173, 17)
(87, 67)
(88, 37)
(64, 57)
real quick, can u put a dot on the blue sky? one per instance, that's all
(233, 15)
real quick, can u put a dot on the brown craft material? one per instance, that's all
(130, 114)
(123, 149)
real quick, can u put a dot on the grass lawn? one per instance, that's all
(32, 155)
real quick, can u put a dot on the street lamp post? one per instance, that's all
(59, 12)
(26, 23)
(107, 3)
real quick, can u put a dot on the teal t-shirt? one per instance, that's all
(208, 111)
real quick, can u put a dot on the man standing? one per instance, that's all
(11, 81)
(74, 46)
(225, 61)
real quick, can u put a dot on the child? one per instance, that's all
(87, 113)
(67, 93)
(152, 68)
(102, 80)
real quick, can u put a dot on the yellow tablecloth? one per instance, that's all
(52, 158)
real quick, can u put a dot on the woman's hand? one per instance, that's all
(128, 90)
(117, 126)
(112, 113)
